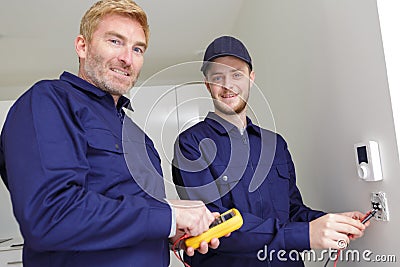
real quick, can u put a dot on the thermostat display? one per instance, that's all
(368, 161)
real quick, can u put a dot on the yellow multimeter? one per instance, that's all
(222, 225)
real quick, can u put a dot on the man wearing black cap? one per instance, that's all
(229, 162)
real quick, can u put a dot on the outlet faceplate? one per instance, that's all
(379, 202)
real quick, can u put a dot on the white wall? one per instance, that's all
(320, 64)
(8, 224)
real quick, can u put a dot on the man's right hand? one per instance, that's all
(332, 230)
(192, 217)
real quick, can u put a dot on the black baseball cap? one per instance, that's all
(226, 46)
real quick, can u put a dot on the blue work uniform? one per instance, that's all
(254, 173)
(73, 179)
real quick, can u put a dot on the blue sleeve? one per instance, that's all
(256, 232)
(46, 167)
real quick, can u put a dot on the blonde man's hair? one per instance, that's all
(128, 8)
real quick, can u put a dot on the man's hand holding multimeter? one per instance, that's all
(222, 225)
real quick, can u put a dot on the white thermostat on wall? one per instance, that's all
(368, 161)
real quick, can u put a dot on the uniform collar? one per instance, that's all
(223, 126)
(87, 87)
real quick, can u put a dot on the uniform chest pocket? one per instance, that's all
(230, 186)
(103, 140)
(105, 158)
(227, 177)
(278, 184)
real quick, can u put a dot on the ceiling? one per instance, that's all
(37, 38)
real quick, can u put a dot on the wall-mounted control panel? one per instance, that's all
(368, 161)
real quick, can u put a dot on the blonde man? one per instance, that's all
(75, 184)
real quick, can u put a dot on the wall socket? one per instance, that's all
(379, 202)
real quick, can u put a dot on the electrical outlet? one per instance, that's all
(379, 202)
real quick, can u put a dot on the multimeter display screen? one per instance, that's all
(221, 219)
(228, 215)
